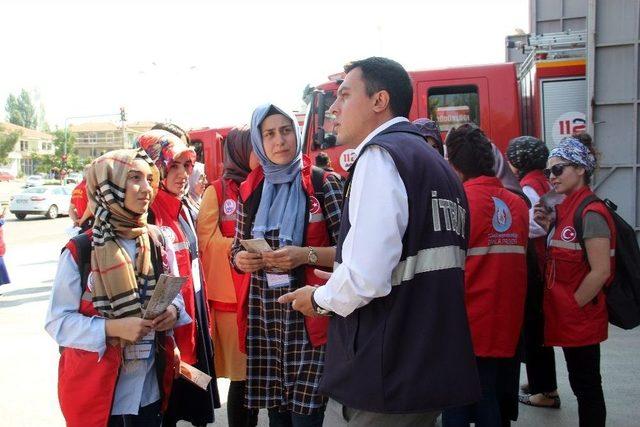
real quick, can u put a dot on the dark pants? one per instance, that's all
(237, 413)
(289, 419)
(148, 416)
(485, 413)
(540, 360)
(583, 364)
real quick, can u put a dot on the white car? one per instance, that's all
(34, 181)
(47, 200)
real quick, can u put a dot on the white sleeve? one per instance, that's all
(67, 326)
(534, 228)
(183, 317)
(379, 215)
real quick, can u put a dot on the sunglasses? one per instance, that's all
(556, 169)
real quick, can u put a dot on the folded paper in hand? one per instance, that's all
(194, 375)
(167, 288)
(256, 246)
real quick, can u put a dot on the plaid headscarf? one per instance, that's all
(115, 280)
(527, 153)
(573, 150)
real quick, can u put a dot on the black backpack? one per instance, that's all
(623, 294)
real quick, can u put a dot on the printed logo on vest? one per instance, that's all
(568, 234)
(501, 216)
(90, 281)
(229, 206)
(314, 205)
(168, 233)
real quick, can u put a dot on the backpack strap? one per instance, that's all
(577, 219)
(82, 255)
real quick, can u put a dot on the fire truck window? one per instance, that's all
(329, 139)
(452, 106)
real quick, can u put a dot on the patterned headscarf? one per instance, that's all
(429, 128)
(527, 153)
(574, 151)
(115, 281)
(163, 147)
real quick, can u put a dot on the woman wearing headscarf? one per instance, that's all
(216, 229)
(197, 185)
(279, 203)
(527, 158)
(431, 132)
(580, 263)
(171, 213)
(116, 368)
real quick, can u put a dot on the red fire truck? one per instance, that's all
(545, 96)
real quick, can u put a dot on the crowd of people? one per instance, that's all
(409, 291)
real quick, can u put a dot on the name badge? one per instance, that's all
(142, 349)
(277, 280)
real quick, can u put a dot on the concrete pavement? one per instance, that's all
(28, 361)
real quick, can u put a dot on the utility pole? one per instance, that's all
(123, 119)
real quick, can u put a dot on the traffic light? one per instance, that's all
(123, 116)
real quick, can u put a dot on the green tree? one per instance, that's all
(59, 139)
(7, 143)
(307, 93)
(20, 110)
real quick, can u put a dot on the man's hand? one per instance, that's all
(286, 258)
(166, 320)
(130, 329)
(543, 216)
(300, 300)
(249, 262)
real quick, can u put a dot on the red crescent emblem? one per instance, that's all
(314, 205)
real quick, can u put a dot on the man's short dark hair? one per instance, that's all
(469, 151)
(322, 160)
(386, 74)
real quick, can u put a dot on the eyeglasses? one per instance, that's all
(556, 169)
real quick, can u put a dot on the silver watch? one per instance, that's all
(313, 256)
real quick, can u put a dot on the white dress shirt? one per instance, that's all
(379, 215)
(137, 383)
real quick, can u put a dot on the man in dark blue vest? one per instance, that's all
(399, 348)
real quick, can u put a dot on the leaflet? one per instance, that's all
(194, 375)
(256, 246)
(167, 288)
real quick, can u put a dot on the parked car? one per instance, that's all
(34, 181)
(49, 200)
(6, 176)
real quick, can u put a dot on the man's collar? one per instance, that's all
(377, 130)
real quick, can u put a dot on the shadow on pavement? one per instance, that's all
(24, 291)
(21, 301)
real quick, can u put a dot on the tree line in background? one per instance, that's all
(20, 110)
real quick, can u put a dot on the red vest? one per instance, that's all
(166, 209)
(86, 384)
(496, 266)
(566, 324)
(79, 198)
(317, 234)
(540, 184)
(227, 193)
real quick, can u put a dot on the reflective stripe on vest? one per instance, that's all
(426, 260)
(496, 249)
(180, 246)
(573, 246)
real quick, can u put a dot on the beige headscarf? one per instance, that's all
(115, 280)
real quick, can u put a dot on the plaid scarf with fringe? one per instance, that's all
(116, 281)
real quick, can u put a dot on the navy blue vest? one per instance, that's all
(411, 350)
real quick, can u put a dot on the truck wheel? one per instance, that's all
(20, 216)
(52, 212)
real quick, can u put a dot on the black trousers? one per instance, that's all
(238, 414)
(583, 364)
(148, 416)
(540, 360)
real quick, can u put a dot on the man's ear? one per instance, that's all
(381, 101)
